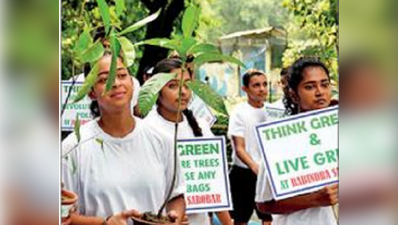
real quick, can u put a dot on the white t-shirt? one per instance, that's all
(156, 121)
(133, 172)
(278, 104)
(311, 216)
(242, 123)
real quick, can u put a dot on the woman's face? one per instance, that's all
(168, 98)
(314, 91)
(119, 97)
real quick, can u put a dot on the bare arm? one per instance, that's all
(176, 208)
(324, 197)
(239, 144)
(86, 220)
(224, 218)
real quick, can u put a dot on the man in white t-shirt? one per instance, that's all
(283, 82)
(246, 155)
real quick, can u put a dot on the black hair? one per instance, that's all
(295, 76)
(99, 33)
(165, 66)
(284, 71)
(249, 74)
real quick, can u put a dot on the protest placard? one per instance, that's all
(201, 110)
(204, 167)
(274, 113)
(80, 109)
(300, 152)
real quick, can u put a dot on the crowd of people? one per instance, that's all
(131, 170)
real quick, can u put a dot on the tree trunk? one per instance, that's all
(161, 27)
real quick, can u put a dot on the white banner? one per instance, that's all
(81, 108)
(205, 170)
(300, 152)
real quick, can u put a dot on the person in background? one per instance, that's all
(246, 155)
(283, 84)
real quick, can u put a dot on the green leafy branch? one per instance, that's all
(185, 45)
(88, 51)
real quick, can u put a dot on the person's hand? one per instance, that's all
(68, 220)
(328, 195)
(122, 217)
(173, 215)
(254, 168)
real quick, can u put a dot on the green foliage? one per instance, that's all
(101, 142)
(88, 84)
(208, 95)
(128, 51)
(202, 48)
(77, 128)
(105, 14)
(140, 23)
(149, 91)
(78, 16)
(120, 7)
(161, 42)
(221, 17)
(115, 48)
(185, 45)
(83, 42)
(93, 53)
(314, 31)
(214, 57)
(190, 20)
(220, 128)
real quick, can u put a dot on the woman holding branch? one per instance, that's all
(166, 114)
(120, 168)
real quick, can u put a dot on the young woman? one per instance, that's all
(309, 89)
(120, 167)
(166, 113)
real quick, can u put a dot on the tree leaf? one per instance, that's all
(149, 91)
(93, 53)
(140, 23)
(74, 166)
(101, 142)
(105, 14)
(190, 20)
(186, 44)
(203, 48)
(88, 84)
(208, 95)
(83, 42)
(115, 48)
(212, 57)
(120, 7)
(76, 128)
(128, 51)
(162, 42)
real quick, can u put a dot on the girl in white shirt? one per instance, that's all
(119, 168)
(166, 113)
(309, 89)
